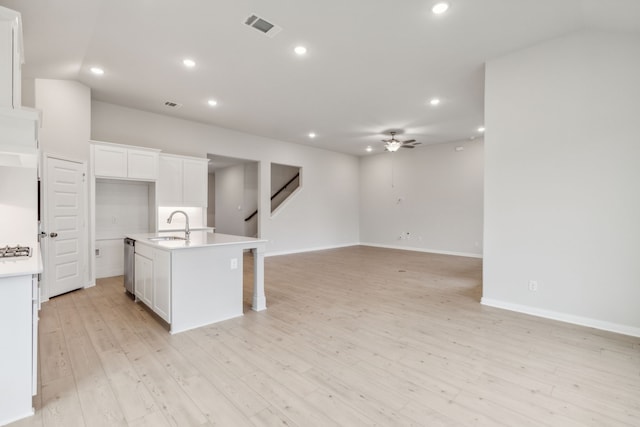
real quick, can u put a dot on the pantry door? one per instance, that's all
(65, 225)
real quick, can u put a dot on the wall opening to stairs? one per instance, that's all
(285, 181)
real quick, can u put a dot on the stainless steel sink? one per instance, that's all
(164, 238)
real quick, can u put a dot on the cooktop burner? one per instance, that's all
(15, 251)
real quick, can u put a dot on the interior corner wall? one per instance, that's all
(427, 199)
(562, 181)
(66, 117)
(323, 215)
(229, 199)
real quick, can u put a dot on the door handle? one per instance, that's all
(53, 235)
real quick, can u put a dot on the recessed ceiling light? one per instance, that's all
(312, 135)
(481, 129)
(189, 63)
(300, 50)
(212, 102)
(434, 101)
(439, 8)
(97, 71)
(369, 149)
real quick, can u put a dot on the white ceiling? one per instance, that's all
(371, 65)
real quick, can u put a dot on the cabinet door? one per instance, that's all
(142, 164)
(109, 161)
(7, 41)
(195, 182)
(144, 279)
(162, 284)
(170, 181)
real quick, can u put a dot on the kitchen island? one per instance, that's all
(196, 282)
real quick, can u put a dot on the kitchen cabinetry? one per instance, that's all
(11, 58)
(144, 279)
(182, 181)
(19, 332)
(153, 279)
(162, 284)
(124, 162)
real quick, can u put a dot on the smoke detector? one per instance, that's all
(265, 27)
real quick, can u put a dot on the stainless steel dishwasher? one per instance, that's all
(129, 266)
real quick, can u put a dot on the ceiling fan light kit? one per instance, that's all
(393, 144)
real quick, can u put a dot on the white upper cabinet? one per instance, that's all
(125, 162)
(182, 181)
(142, 164)
(170, 180)
(109, 160)
(194, 182)
(11, 58)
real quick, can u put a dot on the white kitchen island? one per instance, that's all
(197, 282)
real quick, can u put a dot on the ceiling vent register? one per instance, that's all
(172, 104)
(262, 25)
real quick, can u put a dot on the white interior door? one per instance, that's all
(65, 225)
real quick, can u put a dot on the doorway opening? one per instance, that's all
(233, 195)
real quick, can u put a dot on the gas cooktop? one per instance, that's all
(15, 251)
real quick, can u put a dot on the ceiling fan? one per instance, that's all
(394, 145)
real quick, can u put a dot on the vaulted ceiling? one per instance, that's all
(371, 66)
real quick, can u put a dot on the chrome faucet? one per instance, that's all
(187, 232)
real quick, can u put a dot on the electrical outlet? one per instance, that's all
(408, 235)
(533, 285)
(234, 263)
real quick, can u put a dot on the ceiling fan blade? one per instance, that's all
(409, 141)
(407, 146)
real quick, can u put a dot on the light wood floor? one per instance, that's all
(354, 336)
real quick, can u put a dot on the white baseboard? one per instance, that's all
(109, 272)
(431, 251)
(317, 248)
(563, 317)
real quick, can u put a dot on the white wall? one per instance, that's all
(433, 192)
(562, 183)
(122, 207)
(324, 214)
(66, 118)
(230, 200)
(250, 199)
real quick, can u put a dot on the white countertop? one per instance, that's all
(22, 266)
(197, 239)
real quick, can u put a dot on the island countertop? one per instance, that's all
(198, 238)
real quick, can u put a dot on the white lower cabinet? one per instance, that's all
(162, 284)
(153, 279)
(18, 329)
(144, 279)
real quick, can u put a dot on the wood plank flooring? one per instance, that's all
(358, 336)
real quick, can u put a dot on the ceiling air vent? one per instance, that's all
(262, 25)
(171, 104)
